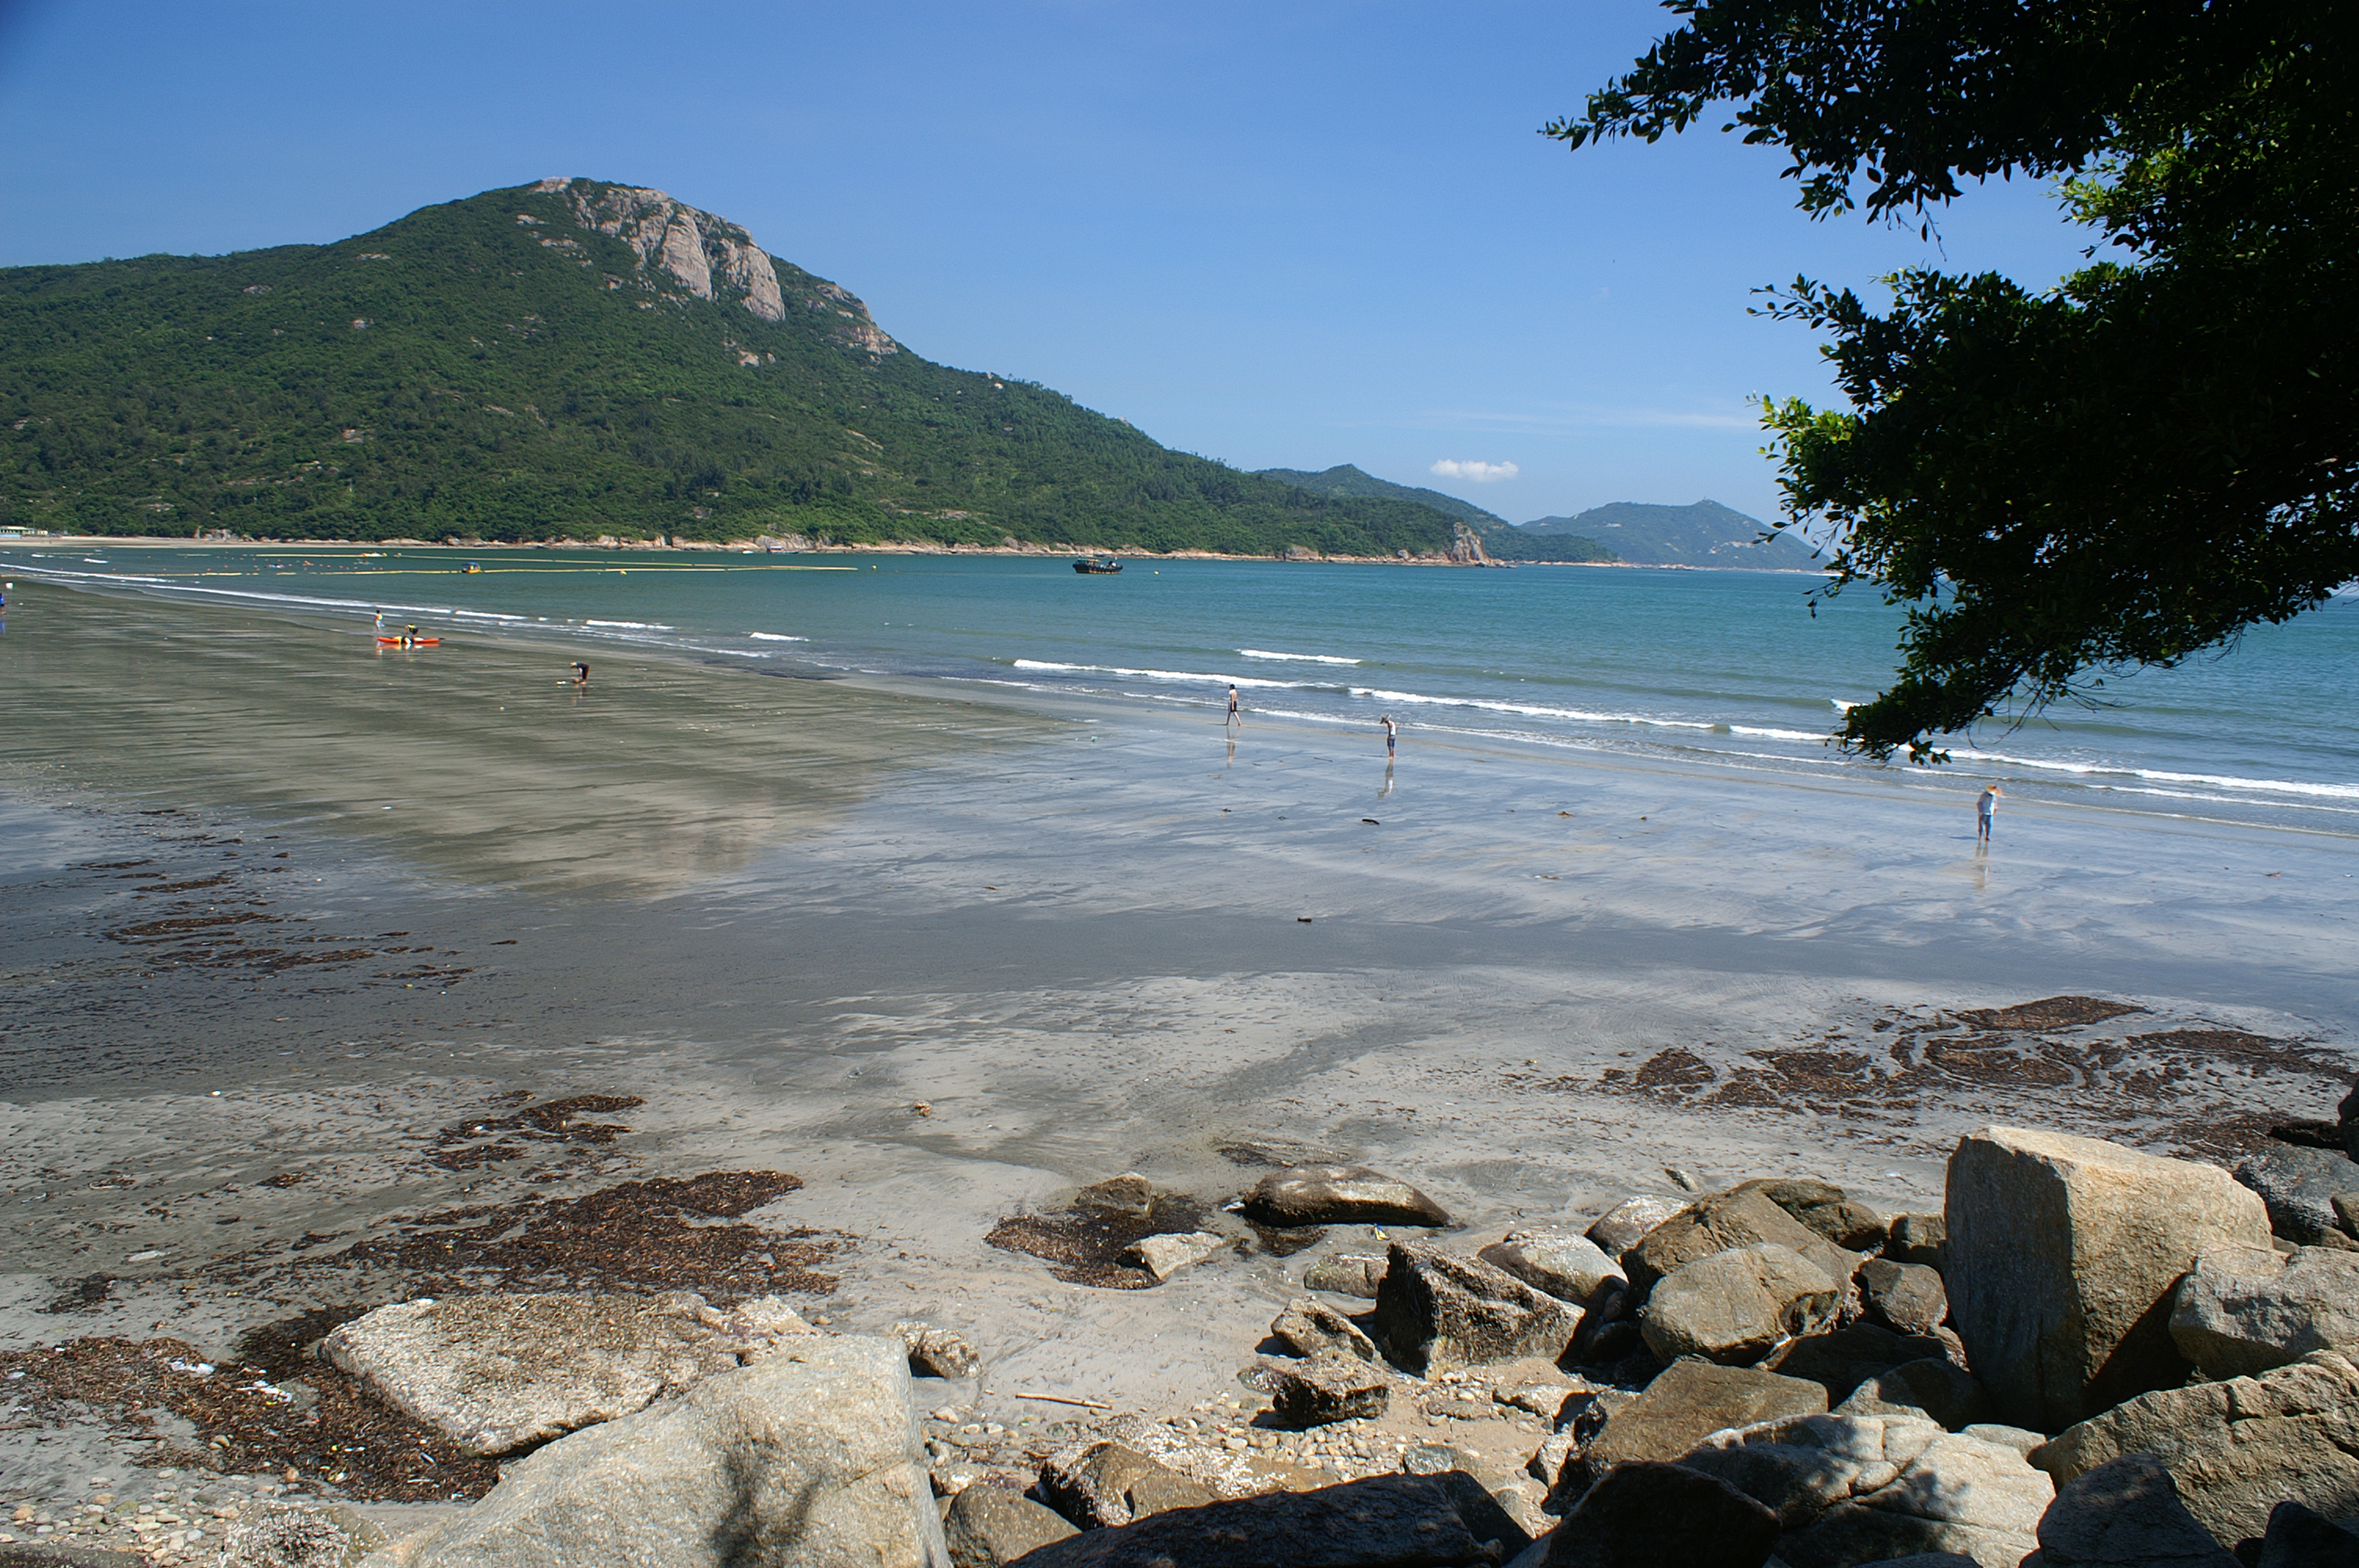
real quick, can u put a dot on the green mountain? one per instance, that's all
(573, 358)
(1704, 534)
(1501, 538)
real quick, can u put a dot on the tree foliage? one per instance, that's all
(454, 373)
(2124, 470)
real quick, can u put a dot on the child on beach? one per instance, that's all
(1985, 804)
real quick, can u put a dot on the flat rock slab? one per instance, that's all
(1436, 1310)
(1313, 1328)
(1099, 1485)
(1688, 1401)
(1625, 1225)
(2062, 1252)
(2238, 1448)
(1388, 1521)
(2243, 1310)
(1733, 1307)
(495, 1373)
(1716, 1224)
(1329, 1389)
(806, 1459)
(1569, 1267)
(1940, 1391)
(1346, 1274)
(1826, 1210)
(1339, 1194)
(990, 1527)
(2125, 1513)
(1164, 1256)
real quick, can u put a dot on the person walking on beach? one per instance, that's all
(1985, 804)
(1392, 736)
(1234, 717)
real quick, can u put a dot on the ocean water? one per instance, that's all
(1725, 669)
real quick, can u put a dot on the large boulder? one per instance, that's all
(2062, 1255)
(1339, 1194)
(990, 1527)
(2299, 1186)
(1716, 1224)
(1310, 1328)
(1624, 1225)
(806, 1459)
(1645, 1514)
(1388, 1521)
(1941, 1392)
(1569, 1267)
(1907, 1298)
(2243, 1310)
(2238, 1448)
(499, 1372)
(1436, 1310)
(1100, 1483)
(1826, 1210)
(1860, 1490)
(1687, 1403)
(2126, 1514)
(1842, 1359)
(1734, 1307)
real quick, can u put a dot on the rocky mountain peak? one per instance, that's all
(708, 256)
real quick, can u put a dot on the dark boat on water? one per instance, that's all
(1104, 566)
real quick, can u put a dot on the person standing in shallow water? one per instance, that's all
(1234, 717)
(1392, 735)
(1986, 804)
(580, 674)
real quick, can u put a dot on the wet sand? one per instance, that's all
(783, 914)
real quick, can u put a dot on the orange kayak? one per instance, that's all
(413, 641)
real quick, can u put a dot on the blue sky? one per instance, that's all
(1277, 234)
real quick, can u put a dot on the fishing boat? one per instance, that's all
(1101, 566)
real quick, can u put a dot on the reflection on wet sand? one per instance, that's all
(481, 757)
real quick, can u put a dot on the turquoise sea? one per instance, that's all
(1727, 669)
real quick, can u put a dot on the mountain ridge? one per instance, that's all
(576, 358)
(1703, 533)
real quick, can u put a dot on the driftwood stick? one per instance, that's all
(1062, 1400)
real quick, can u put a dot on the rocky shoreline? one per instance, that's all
(2093, 1355)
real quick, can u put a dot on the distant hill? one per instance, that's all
(1502, 538)
(1704, 534)
(575, 358)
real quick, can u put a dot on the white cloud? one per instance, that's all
(1473, 470)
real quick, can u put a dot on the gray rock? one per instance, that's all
(1129, 1193)
(2236, 1449)
(283, 1535)
(2299, 1186)
(2023, 1440)
(1314, 1328)
(1734, 1307)
(1801, 1468)
(1164, 1256)
(1688, 1401)
(1485, 1515)
(1824, 1208)
(1346, 1274)
(1436, 1310)
(1905, 1298)
(499, 1372)
(2062, 1252)
(990, 1527)
(2300, 1538)
(1387, 1522)
(1624, 1225)
(1326, 1389)
(806, 1459)
(1716, 1224)
(1920, 1239)
(2126, 1514)
(2243, 1310)
(1958, 1494)
(1339, 1194)
(1569, 1268)
(1924, 1560)
(40, 1554)
(1648, 1514)
(1097, 1485)
(1843, 1359)
(938, 1352)
(1940, 1391)
(1546, 1400)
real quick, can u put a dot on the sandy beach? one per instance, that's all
(287, 917)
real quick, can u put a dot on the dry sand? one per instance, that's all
(244, 1007)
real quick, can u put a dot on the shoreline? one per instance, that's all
(1076, 939)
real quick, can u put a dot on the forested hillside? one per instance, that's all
(573, 359)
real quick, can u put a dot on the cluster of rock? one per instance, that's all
(2091, 1358)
